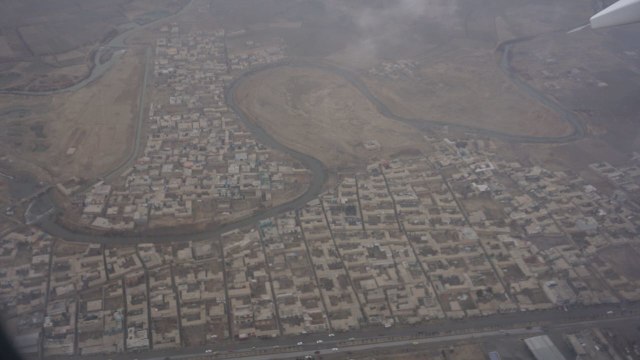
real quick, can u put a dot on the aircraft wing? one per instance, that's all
(620, 13)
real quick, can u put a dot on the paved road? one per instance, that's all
(518, 323)
(324, 350)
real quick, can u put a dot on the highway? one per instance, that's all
(521, 324)
(324, 350)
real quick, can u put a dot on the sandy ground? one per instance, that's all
(321, 114)
(463, 85)
(97, 120)
(624, 259)
(468, 351)
(47, 47)
(602, 87)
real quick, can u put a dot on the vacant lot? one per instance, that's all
(624, 259)
(47, 44)
(602, 87)
(423, 352)
(463, 85)
(319, 113)
(96, 121)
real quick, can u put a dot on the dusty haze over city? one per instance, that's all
(318, 179)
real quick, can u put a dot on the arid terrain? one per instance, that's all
(317, 112)
(461, 84)
(318, 179)
(81, 134)
(50, 46)
(454, 79)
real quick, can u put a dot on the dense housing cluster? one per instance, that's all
(199, 162)
(457, 233)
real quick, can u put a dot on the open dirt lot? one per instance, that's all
(624, 260)
(319, 113)
(47, 45)
(97, 121)
(469, 351)
(462, 84)
(602, 87)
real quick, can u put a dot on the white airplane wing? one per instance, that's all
(620, 13)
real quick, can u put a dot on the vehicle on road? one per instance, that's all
(332, 335)
(334, 349)
(319, 342)
(208, 351)
(299, 343)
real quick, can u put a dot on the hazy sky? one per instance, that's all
(389, 24)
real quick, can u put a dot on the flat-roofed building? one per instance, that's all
(543, 348)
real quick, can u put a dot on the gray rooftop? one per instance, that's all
(543, 348)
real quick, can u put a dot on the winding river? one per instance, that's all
(318, 171)
(319, 174)
(98, 68)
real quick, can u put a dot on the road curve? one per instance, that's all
(318, 171)
(319, 174)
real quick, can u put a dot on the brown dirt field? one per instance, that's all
(575, 156)
(98, 120)
(51, 43)
(319, 113)
(484, 204)
(44, 75)
(466, 87)
(63, 248)
(194, 335)
(422, 352)
(624, 259)
(602, 87)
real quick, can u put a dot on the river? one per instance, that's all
(319, 172)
